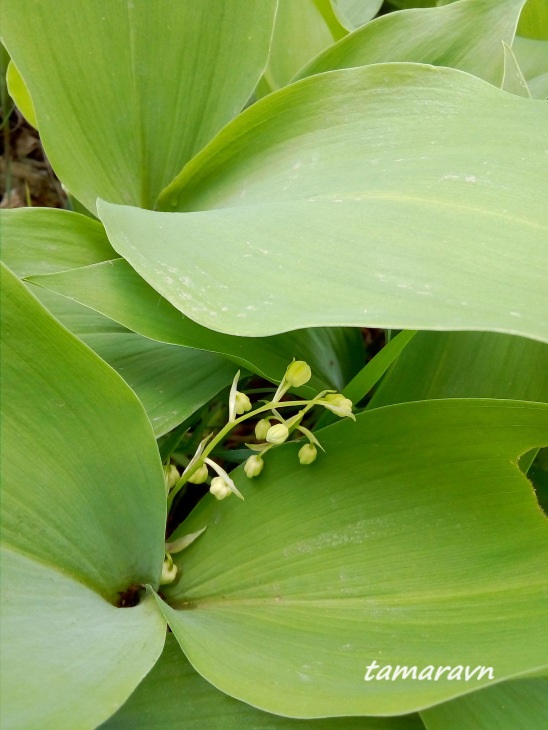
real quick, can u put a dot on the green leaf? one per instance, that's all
(110, 125)
(533, 22)
(513, 81)
(300, 33)
(353, 13)
(407, 4)
(47, 240)
(370, 374)
(171, 382)
(415, 540)
(467, 36)
(352, 161)
(83, 515)
(69, 658)
(519, 704)
(117, 291)
(174, 697)
(532, 57)
(467, 365)
(20, 94)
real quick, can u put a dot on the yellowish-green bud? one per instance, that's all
(298, 373)
(277, 434)
(199, 476)
(253, 466)
(307, 454)
(338, 404)
(261, 429)
(243, 404)
(169, 571)
(171, 476)
(219, 488)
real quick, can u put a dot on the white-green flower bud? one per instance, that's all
(171, 476)
(298, 373)
(243, 404)
(219, 488)
(261, 429)
(307, 454)
(169, 571)
(253, 466)
(199, 476)
(338, 404)
(277, 434)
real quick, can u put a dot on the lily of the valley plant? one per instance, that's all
(251, 187)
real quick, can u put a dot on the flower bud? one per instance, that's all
(171, 476)
(298, 373)
(338, 404)
(253, 466)
(277, 434)
(261, 429)
(169, 571)
(307, 454)
(243, 404)
(219, 488)
(199, 476)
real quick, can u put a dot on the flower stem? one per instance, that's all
(226, 430)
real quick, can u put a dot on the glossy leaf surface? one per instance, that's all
(80, 468)
(300, 33)
(171, 382)
(467, 365)
(174, 697)
(507, 706)
(95, 76)
(326, 568)
(466, 35)
(117, 291)
(353, 13)
(408, 217)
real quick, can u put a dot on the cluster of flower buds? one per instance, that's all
(268, 434)
(297, 374)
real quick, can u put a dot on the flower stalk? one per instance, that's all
(240, 409)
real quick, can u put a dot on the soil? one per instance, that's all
(26, 177)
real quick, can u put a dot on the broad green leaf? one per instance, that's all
(466, 35)
(115, 290)
(414, 540)
(171, 382)
(325, 7)
(174, 697)
(83, 515)
(20, 94)
(532, 57)
(522, 703)
(370, 374)
(300, 33)
(69, 658)
(58, 406)
(533, 22)
(47, 240)
(467, 365)
(407, 4)
(513, 81)
(408, 217)
(126, 93)
(353, 13)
